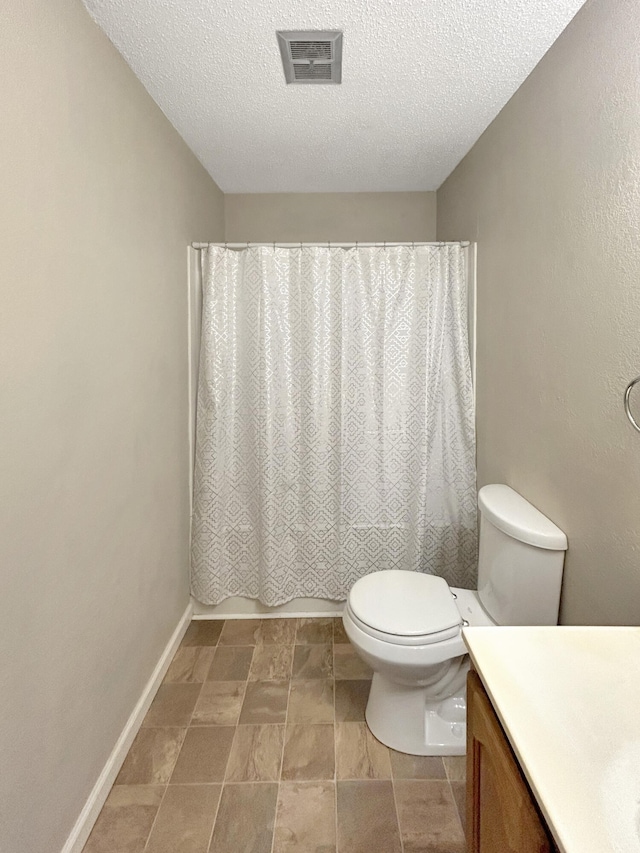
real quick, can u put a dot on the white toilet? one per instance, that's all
(408, 625)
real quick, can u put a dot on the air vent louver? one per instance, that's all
(306, 50)
(309, 73)
(311, 57)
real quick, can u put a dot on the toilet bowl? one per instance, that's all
(417, 700)
(408, 625)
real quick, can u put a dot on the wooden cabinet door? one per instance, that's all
(502, 816)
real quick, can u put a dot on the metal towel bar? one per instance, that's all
(627, 395)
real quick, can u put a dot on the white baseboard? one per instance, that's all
(295, 614)
(89, 814)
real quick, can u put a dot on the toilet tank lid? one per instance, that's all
(515, 516)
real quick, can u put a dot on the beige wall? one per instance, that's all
(99, 200)
(551, 192)
(342, 217)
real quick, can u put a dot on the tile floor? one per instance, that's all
(256, 743)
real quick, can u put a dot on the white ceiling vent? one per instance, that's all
(311, 57)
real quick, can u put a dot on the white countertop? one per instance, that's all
(569, 701)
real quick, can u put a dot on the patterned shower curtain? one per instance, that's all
(335, 421)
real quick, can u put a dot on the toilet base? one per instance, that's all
(408, 720)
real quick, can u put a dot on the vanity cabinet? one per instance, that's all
(502, 815)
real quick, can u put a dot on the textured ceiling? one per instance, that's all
(421, 80)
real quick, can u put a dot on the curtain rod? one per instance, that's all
(329, 244)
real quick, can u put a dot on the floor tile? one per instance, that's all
(125, 820)
(185, 819)
(219, 703)
(204, 754)
(312, 662)
(308, 753)
(305, 818)
(314, 631)
(277, 632)
(405, 766)
(191, 663)
(152, 757)
(265, 702)
(347, 664)
(240, 632)
(455, 767)
(172, 705)
(428, 818)
(351, 700)
(203, 632)
(339, 634)
(256, 754)
(367, 820)
(359, 755)
(253, 833)
(311, 701)
(230, 663)
(271, 663)
(459, 790)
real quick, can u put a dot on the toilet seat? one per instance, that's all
(404, 608)
(420, 640)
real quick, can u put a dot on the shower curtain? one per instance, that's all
(335, 421)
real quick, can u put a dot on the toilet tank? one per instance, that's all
(521, 559)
